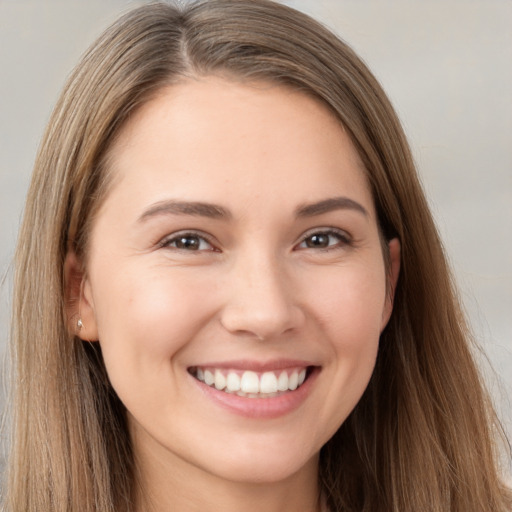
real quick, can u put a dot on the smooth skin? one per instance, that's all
(287, 264)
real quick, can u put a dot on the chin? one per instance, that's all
(266, 466)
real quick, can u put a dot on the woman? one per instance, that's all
(230, 293)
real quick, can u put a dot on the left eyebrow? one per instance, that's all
(329, 205)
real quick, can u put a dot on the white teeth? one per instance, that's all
(220, 380)
(268, 383)
(208, 377)
(233, 382)
(282, 382)
(293, 381)
(250, 382)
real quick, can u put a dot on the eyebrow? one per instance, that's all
(329, 205)
(195, 208)
(214, 211)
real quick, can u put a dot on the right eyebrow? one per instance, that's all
(193, 208)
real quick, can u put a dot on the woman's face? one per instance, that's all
(235, 279)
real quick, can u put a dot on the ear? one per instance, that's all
(394, 249)
(78, 296)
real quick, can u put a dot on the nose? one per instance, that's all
(261, 300)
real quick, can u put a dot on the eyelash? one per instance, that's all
(343, 239)
(176, 237)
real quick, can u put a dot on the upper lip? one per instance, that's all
(256, 366)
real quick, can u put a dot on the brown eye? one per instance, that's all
(316, 241)
(191, 243)
(188, 242)
(324, 240)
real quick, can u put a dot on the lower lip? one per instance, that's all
(265, 408)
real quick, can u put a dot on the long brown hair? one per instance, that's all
(422, 436)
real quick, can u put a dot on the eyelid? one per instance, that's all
(166, 240)
(344, 236)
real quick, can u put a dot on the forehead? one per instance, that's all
(214, 137)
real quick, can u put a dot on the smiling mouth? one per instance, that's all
(252, 384)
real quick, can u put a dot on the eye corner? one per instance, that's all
(189, 242)
(324, 239)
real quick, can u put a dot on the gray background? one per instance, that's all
(446, 65)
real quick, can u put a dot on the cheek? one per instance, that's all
(349, 312)
(145, 318)
(349, 305)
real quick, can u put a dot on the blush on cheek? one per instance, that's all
(355, 311)
(164, 314)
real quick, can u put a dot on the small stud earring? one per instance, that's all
(79, 324)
